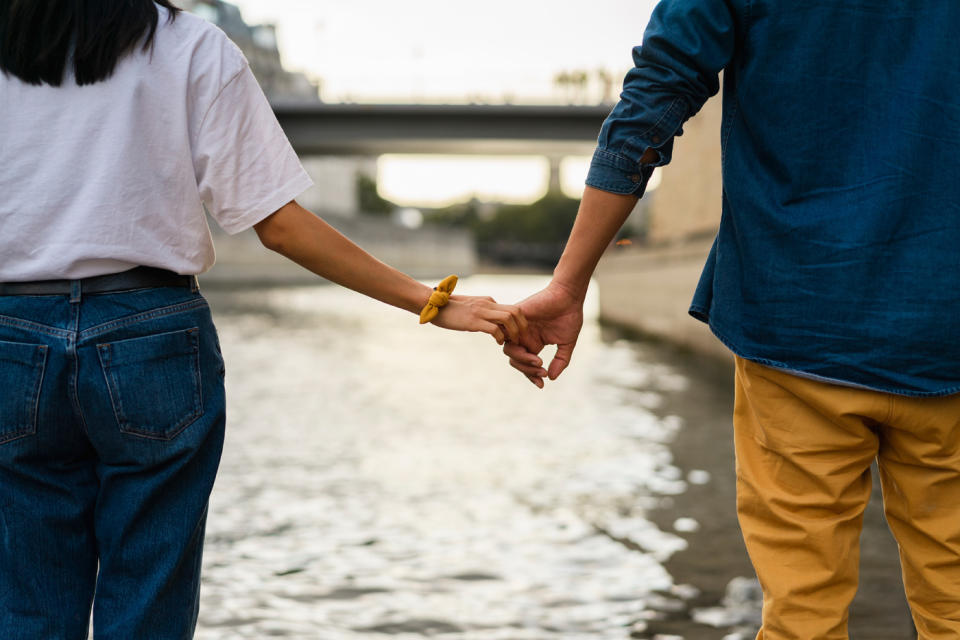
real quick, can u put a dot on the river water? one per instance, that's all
(384, 480)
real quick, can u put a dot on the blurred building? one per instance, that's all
(335, 177)
(259, 45)
(335, 189)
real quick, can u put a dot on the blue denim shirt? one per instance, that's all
(838, 254)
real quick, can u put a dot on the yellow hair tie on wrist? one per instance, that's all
(439, 298)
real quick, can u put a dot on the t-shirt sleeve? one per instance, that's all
(245, 166)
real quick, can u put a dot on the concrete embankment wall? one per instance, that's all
(426, 253)
(649, 290)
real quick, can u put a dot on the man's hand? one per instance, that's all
(554, 316)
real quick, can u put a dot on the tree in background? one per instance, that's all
(369, 200)
(576, 85)
(527, 234)
(462, 215)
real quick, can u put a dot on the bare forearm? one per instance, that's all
(600, 216)
(307, 240)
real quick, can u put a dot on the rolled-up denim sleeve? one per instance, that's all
(676, 69)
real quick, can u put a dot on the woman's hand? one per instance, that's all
(505, 322)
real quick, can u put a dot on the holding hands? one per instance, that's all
(551, 316)
(480, 313)
(472, 313)
(554, 316)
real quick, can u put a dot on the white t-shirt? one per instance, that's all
(105, 177)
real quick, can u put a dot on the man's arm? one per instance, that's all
(676, 69)
(555, 314)
(685, 46)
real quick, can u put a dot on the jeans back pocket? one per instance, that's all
(154, 382)
(21, 375)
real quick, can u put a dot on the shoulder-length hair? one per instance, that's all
(39, 38)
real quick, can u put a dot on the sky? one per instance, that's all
(443, 51)
(440, 51)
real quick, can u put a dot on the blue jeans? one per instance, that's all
(111, 428)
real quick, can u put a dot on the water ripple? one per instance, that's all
(386, 479)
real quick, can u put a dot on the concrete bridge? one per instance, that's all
(317, 129)
(374, 129)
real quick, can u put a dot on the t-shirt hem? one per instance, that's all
(269, 205)
(703, 315)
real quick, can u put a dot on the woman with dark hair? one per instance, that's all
(118, 120)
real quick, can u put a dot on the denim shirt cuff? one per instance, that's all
(616, 174)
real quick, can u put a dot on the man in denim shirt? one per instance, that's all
(832, 279)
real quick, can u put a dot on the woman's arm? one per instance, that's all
(299, 235)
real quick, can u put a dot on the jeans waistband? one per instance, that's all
(136, 278)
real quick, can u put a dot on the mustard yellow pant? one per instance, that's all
(803, 451)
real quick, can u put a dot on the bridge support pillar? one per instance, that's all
(554, 186)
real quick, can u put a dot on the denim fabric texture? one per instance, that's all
(838, 251)
(111, 428)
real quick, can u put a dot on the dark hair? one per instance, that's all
(39, 38)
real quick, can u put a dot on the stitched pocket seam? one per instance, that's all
(116, 399)
(39, 365)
